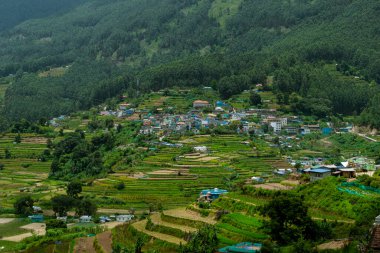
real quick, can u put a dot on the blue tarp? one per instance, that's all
(244, 247)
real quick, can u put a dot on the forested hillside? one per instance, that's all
(14, 12)
(228, 44)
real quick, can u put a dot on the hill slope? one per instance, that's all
(14, 12)
(231, 43)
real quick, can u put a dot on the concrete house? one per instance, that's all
(277, 126)
(62, 218)
(318, 173)
(124, 218)
(201, 104)
(85, 219)
(201, 149)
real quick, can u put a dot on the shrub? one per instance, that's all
(120, 186)
(53, 224)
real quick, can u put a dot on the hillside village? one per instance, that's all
(198, 156)
(268, 123)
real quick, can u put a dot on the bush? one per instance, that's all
(53, 224)
(24, 205)
(120, 186)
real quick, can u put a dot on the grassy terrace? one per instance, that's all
(156, 178)
(23, 173)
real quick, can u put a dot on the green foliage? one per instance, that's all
(73, 189)
(289, 219)
(370, 116)
(61, 204)
(24, 205)
(7, 153)
(255, 99)
(204, 241)
(324, 195)
(54, 224)
(103, 48)
(14, 12)
(75, 157)
(120, 186)
(164, 229)
(85, 207)
(17, 138)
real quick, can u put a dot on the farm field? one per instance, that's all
(160, 179)
(23, 173)
(174, 179)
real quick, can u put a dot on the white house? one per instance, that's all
(85, 219)
(284, 121)
(124, 218)
(201, 149)
(219, 109)
(276, 125)
(305, 130)
(63, 218)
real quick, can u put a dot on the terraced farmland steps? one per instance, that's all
(181, 219)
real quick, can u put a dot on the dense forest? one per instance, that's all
(227, 44)
(14, 12)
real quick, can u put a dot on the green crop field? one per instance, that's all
(155, 176)
(13, 228)
(171, 189)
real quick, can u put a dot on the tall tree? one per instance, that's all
(73, 189)
(24, 205)
(289, 219)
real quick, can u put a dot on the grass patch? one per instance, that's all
(13, 228)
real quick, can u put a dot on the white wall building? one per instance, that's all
(124, 218)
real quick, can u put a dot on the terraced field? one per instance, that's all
(174, 179)
(22, 172)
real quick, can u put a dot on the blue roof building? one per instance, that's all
(220, 104)
(212, 194)
(327, 130)
(36, 218)
(318, 173)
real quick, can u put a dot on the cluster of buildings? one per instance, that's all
(204, 114)
(317, 169)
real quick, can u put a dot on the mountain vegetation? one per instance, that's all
(103, 47)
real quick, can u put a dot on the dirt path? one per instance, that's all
(140, 226)
(84, 245)
(207, 159)
(190, 215)
(5, 220)
(331, 220)
(105, 240)
(17, 238)
(112, 224)
(273, 186)
(333, 245)
(35, 228)
(113, 211)
(195, 165)
(156, 219)
(238, 200)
